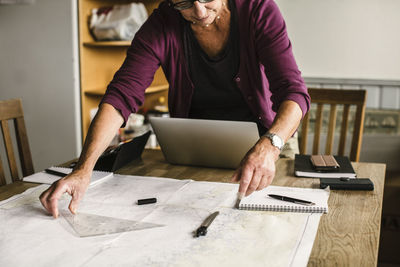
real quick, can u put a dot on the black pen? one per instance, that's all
(293, 200)
(57, 173)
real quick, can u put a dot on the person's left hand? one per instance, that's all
(257, 169)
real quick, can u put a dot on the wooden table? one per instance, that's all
(347, 236)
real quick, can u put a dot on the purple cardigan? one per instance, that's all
(268, 73)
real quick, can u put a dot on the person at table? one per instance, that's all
(223, 59)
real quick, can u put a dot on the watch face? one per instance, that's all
(277, 141)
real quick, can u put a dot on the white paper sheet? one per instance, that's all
(235, 238)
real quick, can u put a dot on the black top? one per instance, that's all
(216, 95)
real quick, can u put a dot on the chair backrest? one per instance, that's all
(335, 98)
(12, 110)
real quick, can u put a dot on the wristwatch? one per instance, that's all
(276, 141)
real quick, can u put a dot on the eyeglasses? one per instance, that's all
(187, 4)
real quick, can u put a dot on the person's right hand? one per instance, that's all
(75, 184)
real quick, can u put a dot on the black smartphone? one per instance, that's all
(347, 183)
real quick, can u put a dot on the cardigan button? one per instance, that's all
(237, 79)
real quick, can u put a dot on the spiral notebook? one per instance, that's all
(259, 200)
(46, 178)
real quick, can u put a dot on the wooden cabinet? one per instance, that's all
(100, 60)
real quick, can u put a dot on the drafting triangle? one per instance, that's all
(86, 224)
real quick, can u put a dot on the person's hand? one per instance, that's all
(257, 169)
(75, 184)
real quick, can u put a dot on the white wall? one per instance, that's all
(38, 64)
(351, 44)
(345, 38)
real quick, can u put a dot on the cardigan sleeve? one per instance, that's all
(275, 53)
(126, 91)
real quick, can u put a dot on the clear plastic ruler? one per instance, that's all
(86, 224)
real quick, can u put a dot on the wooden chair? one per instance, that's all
(12, 110)
(335, 98)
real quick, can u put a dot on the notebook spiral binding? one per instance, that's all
(282, 208)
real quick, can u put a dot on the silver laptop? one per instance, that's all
(208, 143)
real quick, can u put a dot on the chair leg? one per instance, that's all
(343, 131)
(304, 133)
(317, 129)
(2, 175)
(331, 130)
(10, 151)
